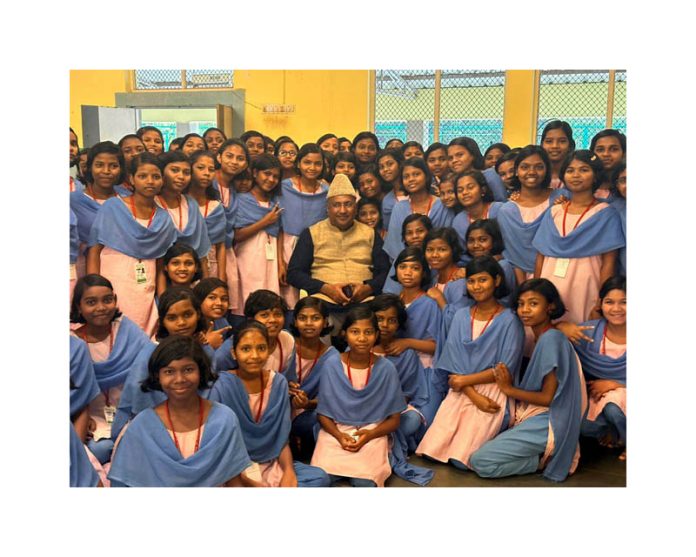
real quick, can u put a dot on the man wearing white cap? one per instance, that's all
(339, 259)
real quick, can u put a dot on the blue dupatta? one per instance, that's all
(115, 227)
(597, 234)
(195, 233)
(74, 238)
(301, 210)
(381, 398)
(264, 440)
(85, 387)
(249, 212)
(554, 351)
(82, 473)
(216, 223)
(518, 236)
(393, 244)
(596, 365)
(147, 457)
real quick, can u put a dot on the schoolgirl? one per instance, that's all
(191, 143)
(115, 346)
(416, 177)
(578, 241)
(257, 227)
(345, 163)
(413, 231)
(255, 143)
(365, 146)
(328, 142)
(181, 315)
(481, 336)
(202, 191)
(105, 169)
(369, 214)
(618, 191)
(152, 139)
(557, 140)
(259, 397)
(180, 267)
(505, 168)
(549, 398)
(186, 440)
(233, 158)
(369, 185)
(436, 158)
(184, 211)
(412, 149)
(344, 144)
(493, 153)
(519, 219)
(360, 404)
(303, 203)
(213, 297)
(128, 239)
(610, 146)
(442, 252)
(604, 365)
(476, 199)
(287, 151)
(389, 164)
(214, 138)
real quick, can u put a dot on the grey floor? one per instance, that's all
(599, 467)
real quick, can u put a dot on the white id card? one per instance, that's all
(270, 251)
(140, 276)
(561, 268)
(109, 413)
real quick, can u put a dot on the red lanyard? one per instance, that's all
(83, 334)
(222, 188)
(200, 425)
(299, 355)
(369, 370)
(258, 412)
(132, 204)
(473, 315)
(181, 217)
(604, 341)
(430, 204)
(565, 214)
(485, 214)
(207, 202)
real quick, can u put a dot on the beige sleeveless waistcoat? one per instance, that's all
(339, 256)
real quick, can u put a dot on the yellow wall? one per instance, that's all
(93, 87)
(325, 101)
(521, 101)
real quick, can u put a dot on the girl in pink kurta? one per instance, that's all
(578, 240)
(360, 403)
(257, 229)
(128, 239)
(480, 337)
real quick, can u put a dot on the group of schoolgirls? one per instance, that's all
(498, 340)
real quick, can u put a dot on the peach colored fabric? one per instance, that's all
(255, 398)
(602, 194)
(371, 462)
(530, 214)
(556, 183)
(305, 369)
(579, 289)
(233, 286)
(460, 428)
(136, 301)
(255, 271)
(287, 341)
(290, 294)
(174, 213)
(212, 254)
(187, 440)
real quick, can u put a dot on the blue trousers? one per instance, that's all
(354, 482)
(310, 476)
(514, 451)
(611, 421)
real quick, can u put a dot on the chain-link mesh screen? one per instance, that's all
(202, 79)
(171, 79)
(471, 104)
(619, 114)
(578, 97)
(404, 104)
